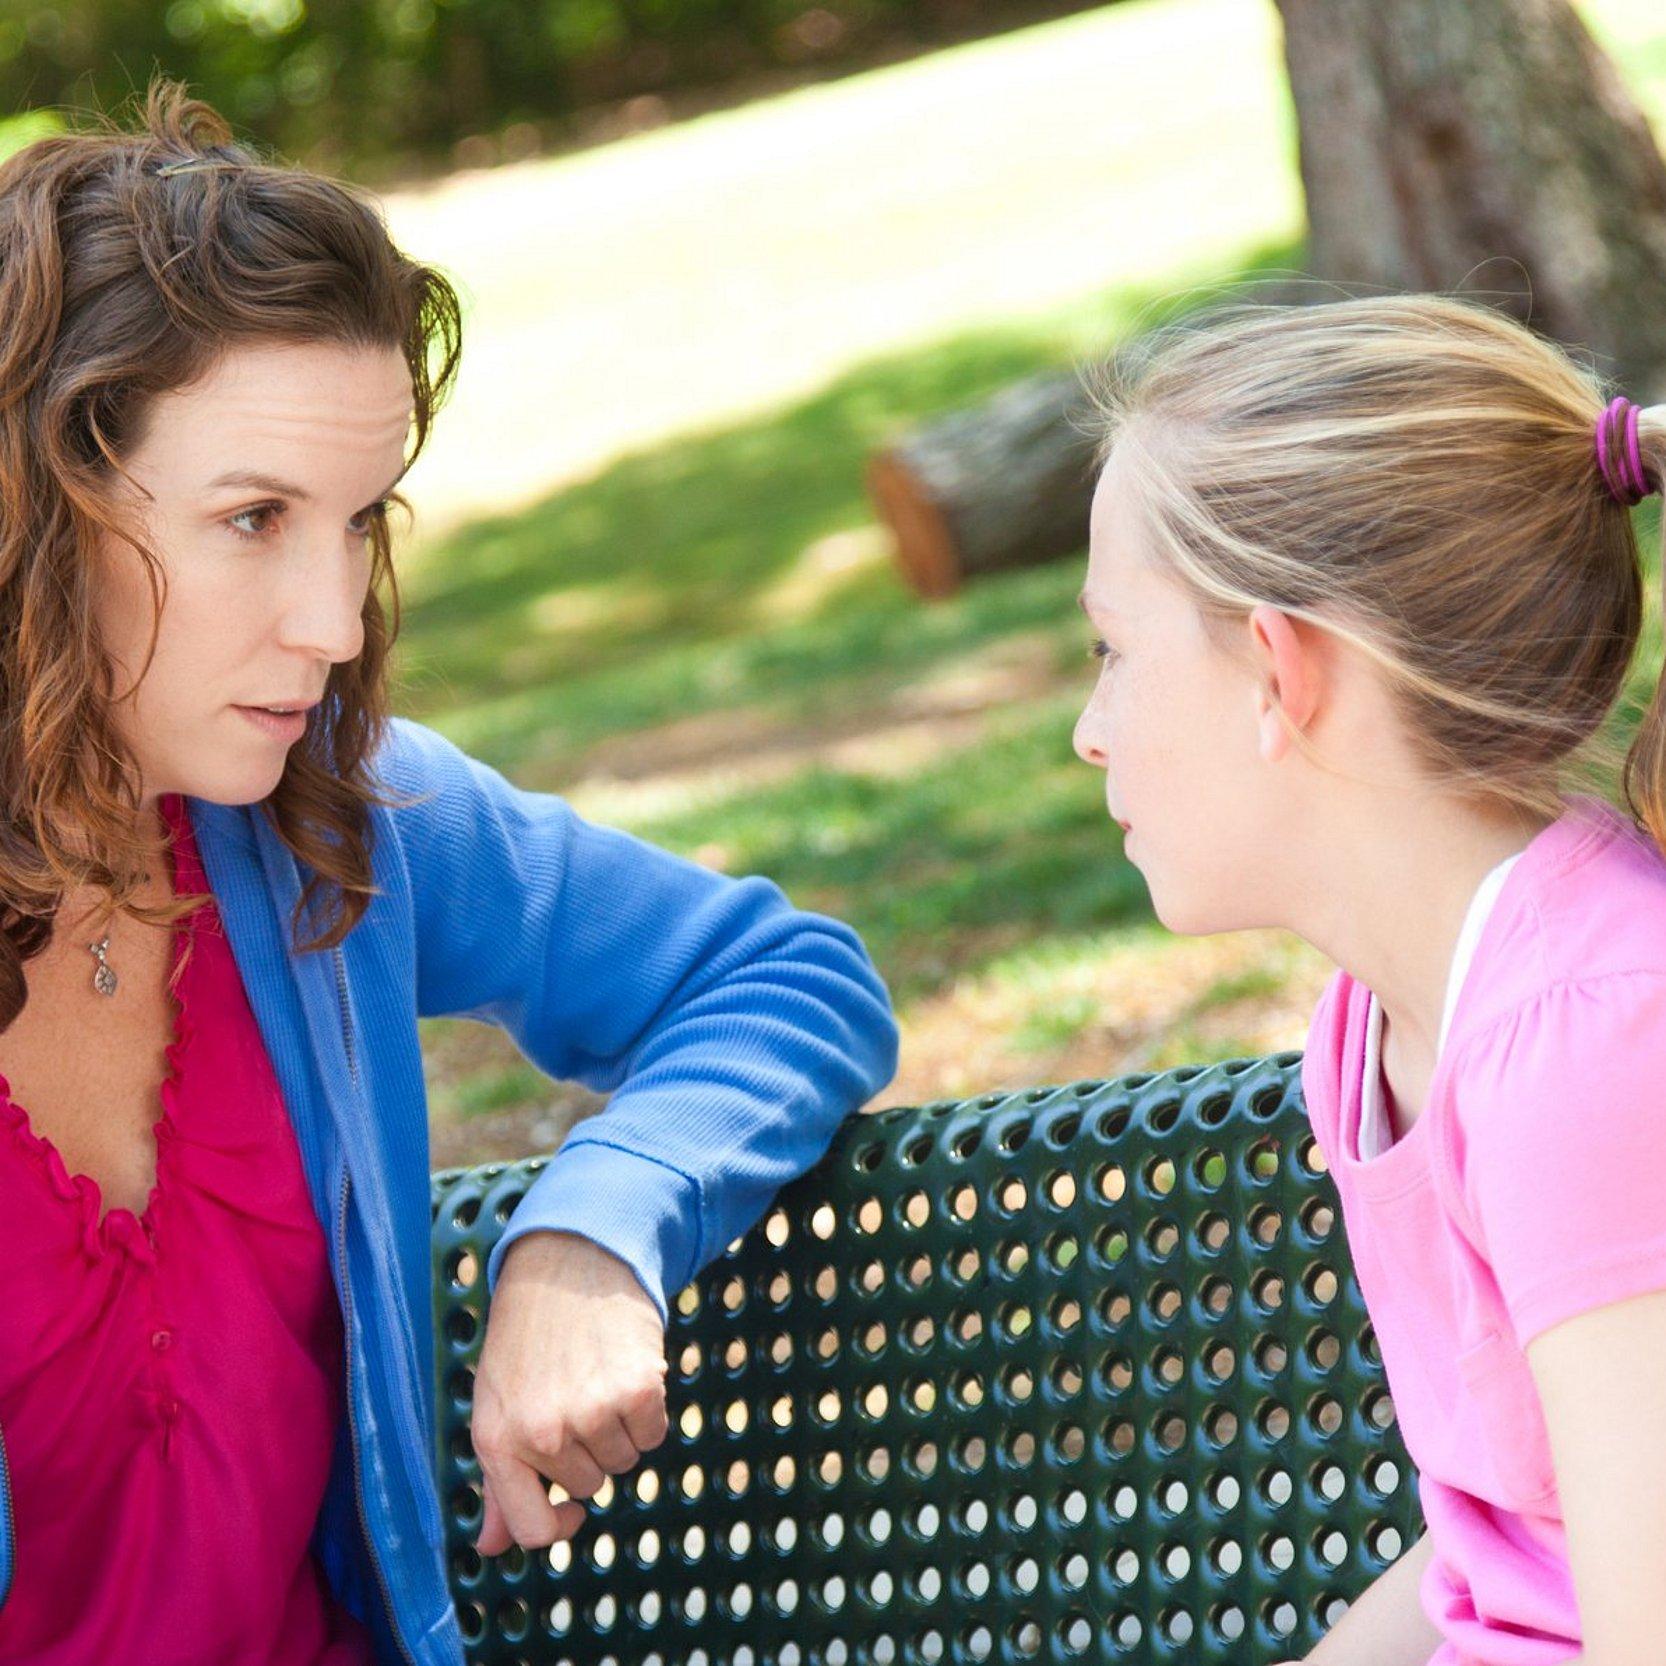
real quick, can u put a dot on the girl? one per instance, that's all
(1365, 585)
(230, 885)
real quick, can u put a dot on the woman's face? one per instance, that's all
(1180, 731)
(264, 479)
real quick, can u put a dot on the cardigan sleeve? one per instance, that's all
(733, 1031)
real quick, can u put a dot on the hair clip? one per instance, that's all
(191, 164)
(1618, 454)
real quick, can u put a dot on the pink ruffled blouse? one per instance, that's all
(171, 1382)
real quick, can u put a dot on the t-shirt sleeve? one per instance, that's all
(1562, 1109)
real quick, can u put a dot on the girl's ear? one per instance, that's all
(1289, 674)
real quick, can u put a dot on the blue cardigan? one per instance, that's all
(732, 1031)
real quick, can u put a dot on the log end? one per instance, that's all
(925, 545)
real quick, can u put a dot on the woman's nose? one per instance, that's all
(326, 610)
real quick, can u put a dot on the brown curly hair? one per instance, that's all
(124, 275)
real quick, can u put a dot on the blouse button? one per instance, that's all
(160, 1339)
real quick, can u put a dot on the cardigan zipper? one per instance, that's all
(347, 1338)
(11, 1523)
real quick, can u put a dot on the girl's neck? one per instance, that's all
(1409, 889)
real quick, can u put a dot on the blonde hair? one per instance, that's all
(1416, 474)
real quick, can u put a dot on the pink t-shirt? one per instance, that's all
(1528, 1190)
(170, 1382)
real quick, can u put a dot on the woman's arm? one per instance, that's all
(733, 1031)
(1386, 1626)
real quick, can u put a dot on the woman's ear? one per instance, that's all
(1287, 660)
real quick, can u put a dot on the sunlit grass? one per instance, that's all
(706, 274)
(703, 638)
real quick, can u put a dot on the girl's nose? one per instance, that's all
(1086, 748)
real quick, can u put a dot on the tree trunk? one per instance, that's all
(1479, 146)
(1485, 146)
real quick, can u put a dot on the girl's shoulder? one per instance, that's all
(1570, 965)
(1584, 906)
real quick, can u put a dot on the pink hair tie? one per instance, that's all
(1619, 454)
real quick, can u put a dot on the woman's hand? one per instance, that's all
(571, 1385)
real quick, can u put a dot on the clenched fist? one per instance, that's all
(571, 1385)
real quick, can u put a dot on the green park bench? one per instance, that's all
(1077, 1373)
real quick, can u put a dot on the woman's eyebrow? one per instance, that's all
(283, 488)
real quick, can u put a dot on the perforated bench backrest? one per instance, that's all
(1080, 1373)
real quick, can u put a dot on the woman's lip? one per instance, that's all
(288, 728)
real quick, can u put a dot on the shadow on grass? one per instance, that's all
(654, 590)
(652, 594)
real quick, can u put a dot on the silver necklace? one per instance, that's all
(104, 975)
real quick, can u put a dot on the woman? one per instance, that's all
(229, 886)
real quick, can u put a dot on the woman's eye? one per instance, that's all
(376, 512)
(245, 514)
(1102, 650)
(368, 516)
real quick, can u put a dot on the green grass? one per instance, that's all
(728, 268)
(684, 579)
(690, 640)
(672, 558)
(638, 596)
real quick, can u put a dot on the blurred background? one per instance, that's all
(756, 522)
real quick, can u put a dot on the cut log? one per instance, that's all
(1005, 484)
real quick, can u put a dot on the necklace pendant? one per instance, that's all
(104, 977)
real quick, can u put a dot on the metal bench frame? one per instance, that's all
(1080, 1373)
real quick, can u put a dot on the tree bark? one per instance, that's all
(1487, 146)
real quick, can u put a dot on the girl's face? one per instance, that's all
(1179, 730)
(264, 480)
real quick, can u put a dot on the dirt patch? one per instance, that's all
(713, 754)
(1139, 1008)
(1234, 994)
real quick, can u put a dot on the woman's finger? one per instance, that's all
(494, 1537)
(570, 1464)
(611, 1446)
(644, 1416)
(522, 1500)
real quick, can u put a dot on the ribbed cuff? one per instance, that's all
(638, 1208)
